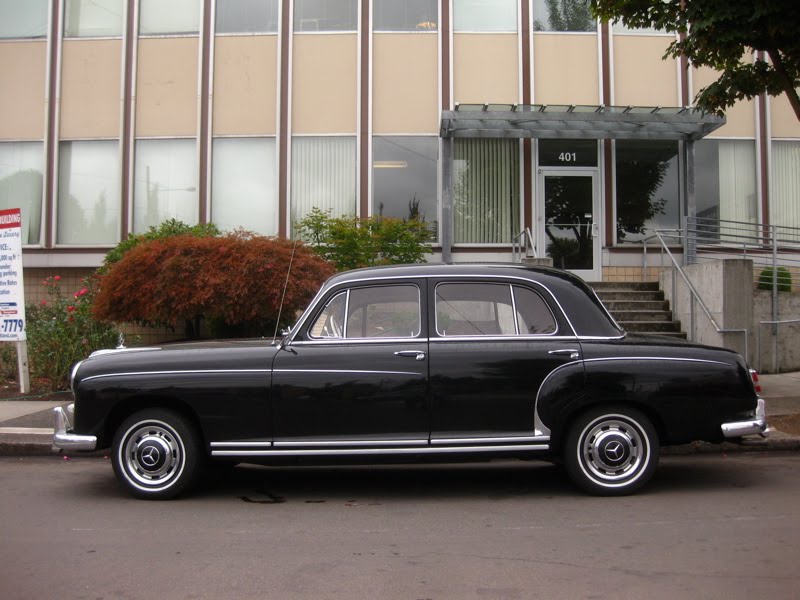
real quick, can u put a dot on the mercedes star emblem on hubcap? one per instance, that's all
(150, 456)
(614, 450)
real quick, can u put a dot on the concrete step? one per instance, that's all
(629, 296)
(625, 305)
(599, 286)
(641, 315)
(650, 326)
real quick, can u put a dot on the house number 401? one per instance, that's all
(567, 157)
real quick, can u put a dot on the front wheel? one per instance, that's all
(611, 451)
(156, 454)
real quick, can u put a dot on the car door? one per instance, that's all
(358, 373)
(492, 344)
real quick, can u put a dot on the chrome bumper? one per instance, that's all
(63, 438)
(756, 425)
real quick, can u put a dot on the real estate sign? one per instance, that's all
(12, 292)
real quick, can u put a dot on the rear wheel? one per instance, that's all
(157, 454)
(611, 451)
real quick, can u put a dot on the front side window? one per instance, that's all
(485, 191)
(563, 15)
(405, 15)
(93, 18)
(325, 15)
(175, 17)
(323, 176)
(485, 15)
(391, 311)
(23, 19)
(247, 16)
(404, 180)
(244, 185)
(490, 309)
(647, 188)
(166, 183)
(88, 192)
(21, 183)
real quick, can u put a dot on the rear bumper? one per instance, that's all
(63, 438)
(757, 425)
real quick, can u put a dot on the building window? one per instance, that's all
(484, 15)
(88, 193)
(21, 182)
(485, 191)
(647, 188)
(725, 180)
(563, 15)
(93, 18)
(784, 183)
(175, 17)
(405, 15)
(247, 16)
(243, 185)
(404, 179)
(165, 185)
(325, 15)
(323, 176)
(23, 19)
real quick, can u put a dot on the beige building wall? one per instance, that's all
(783, 122)
(324, 83)
(553, 56)
(405, 83)
(641, 77)
(486, 68)
(166, 87)
(245, 85)
(22, 90)
(741, 117)
(90, 88)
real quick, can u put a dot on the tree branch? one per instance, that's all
(786, 80)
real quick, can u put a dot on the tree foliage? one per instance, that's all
(236, 280)
(350, 242)
(721, 34)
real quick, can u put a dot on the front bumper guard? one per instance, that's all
(757, 425)
(63, 438)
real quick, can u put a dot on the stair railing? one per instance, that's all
(522, 245)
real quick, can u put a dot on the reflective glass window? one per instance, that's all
(23, 18)
(405, 15)
(325, 15)
(244, 186)
(725, 180)
(474, 309)
(404, 179)
(247, 16)
(88, 193)
(330, 322)
(784, 183)
(485, 15)
(166, 183)
(173, 17)
(533, 315)
(383, 312)
(647, 188)
(563, 15)
(93, 18)
(21, 183)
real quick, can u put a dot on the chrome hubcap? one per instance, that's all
(153, 455)
(613, 450)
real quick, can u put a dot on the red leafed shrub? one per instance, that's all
(235, 282)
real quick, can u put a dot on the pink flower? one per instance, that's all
(43, 303)
(70, 309)
(81, 292)
(57, 278)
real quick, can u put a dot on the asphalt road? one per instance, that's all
(712, 526)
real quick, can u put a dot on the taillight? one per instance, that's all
(754, 377)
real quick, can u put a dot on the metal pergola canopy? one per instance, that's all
(578, 122)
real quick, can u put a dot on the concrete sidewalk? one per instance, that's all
(26, 426)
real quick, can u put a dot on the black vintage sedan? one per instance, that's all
(445, 362)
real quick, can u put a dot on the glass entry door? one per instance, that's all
(569, 221)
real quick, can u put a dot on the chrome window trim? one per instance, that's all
(501, 338)
(341, 341)
(385, 451)
(301, 323)
(514, 310)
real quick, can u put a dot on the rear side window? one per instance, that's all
(489, 309)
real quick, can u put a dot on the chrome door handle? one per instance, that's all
(573, 353)
(416, 354)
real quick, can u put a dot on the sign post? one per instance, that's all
(12, 291)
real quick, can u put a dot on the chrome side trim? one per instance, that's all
(241, 444)
(181, 372)
(106, 351)
(518, 439)
(346, 443)
(346, 371)
(757, 425)
(385, 451)
(63, 438)
(348, 342)
(652, 358)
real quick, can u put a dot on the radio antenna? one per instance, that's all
(283, 297)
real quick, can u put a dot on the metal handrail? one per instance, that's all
(521, 244)
(696, 297)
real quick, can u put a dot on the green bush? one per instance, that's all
(350, 242)
(61, 331)
(784, 279)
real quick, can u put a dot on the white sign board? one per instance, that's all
(12, 292)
